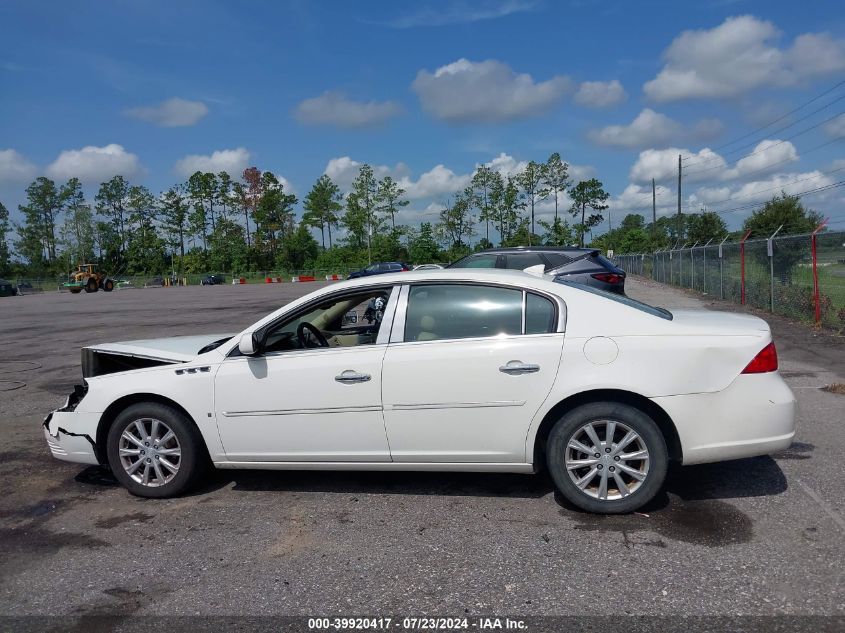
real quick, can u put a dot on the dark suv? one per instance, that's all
(582, 265)
(379, 269)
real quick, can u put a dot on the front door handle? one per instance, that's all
(351, 377)
(517, 367)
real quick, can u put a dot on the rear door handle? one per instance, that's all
(351, 377)
(517, 367)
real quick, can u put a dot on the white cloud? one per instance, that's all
(438, 181)
(652, 128)
(335, 108)
(93, 164)
(466, 92)
(600, 94)
(343, 171)
(738, 56)
(173, 112)
(761, 190)
(15, 168)
(767, 155)
(638, 198)
(662, 164)
(836, 127)
(233, 161)
(648, 128)
(460, 13)
(507, 165)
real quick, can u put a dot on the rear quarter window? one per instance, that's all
(661, 313)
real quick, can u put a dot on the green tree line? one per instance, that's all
(217, 222)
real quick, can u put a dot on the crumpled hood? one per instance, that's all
(173, 349)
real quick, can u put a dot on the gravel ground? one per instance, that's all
(760, 536)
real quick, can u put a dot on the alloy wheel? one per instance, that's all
(149, 452)
(607, 460)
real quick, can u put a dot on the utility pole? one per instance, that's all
(653, 210)
(679, 197)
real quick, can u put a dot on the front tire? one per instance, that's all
(154, 450)
(91, 285)
(607, 457)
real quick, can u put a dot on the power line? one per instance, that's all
(751, 205)
(768, 167)
(780, 186)
(765, 149)
(780, 118)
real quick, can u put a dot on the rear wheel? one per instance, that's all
(607, 457)
(108, 286)
(91, 285)
(154, 450)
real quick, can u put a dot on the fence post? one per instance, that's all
(671, 268)
(816, 297)
(692, 265)
(681, 265)
(705, 265)
(770, 248)
(721, 275)
(742, 266)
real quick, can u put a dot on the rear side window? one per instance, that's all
(478, 261)
(555, 260)
(437, 312)
(539, 315)
(521, 261)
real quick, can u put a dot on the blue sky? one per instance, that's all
(426, 91)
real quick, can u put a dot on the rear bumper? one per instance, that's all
(71, 435)
(754, 416)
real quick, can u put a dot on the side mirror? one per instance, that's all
(249, 345)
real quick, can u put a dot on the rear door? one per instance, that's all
(466, 372)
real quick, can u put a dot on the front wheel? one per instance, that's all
(154, 450)
(607, 457)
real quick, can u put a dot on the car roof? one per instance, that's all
(480, 275)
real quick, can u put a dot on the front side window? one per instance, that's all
(347, 321)
(453, 311)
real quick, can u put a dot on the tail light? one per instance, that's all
(609, 278)
(765, 361)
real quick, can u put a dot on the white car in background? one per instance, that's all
(465, 370)
(428, 267)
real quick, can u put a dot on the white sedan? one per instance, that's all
(462, 370)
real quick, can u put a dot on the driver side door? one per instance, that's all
(307, 405)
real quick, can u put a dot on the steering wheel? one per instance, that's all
(313, 331)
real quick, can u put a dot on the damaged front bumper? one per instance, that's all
(71, 434)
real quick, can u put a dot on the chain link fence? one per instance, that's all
(797, 276)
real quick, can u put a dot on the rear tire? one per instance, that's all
(631, 464)
(108, 286)
(155, 451)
